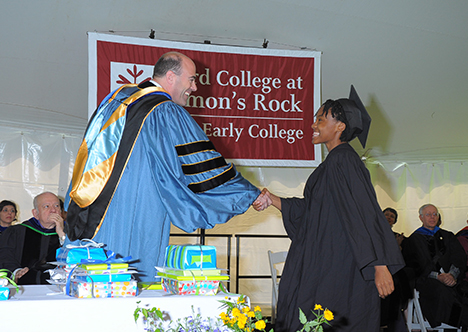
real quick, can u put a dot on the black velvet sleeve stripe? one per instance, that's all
(189, 148)
(204, 166)
(213, 182)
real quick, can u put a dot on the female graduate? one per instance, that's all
(342, 251)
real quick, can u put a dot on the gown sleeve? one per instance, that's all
(369, 234)
(170, 127)
(292, 210)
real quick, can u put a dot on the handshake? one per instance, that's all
(265, 199)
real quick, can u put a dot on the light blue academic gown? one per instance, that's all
(153, 192)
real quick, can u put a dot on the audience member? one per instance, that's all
(26, 248)
(7, 214)
(439, 263)
(462, 237)
(392, 217)
(392, 315)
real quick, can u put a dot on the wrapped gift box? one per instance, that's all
(75, 255)
(190, 257)
(190, 272)
(150, 285)
(112, 268)
(190, 287)
(104, 277)
(4, 293)
(84, 289)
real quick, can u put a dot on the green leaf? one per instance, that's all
(136, 314)
(302, 317)
(159, 314)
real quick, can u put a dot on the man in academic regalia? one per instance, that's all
(144, 163)
(438, 261)
(26, 248)
(342, 251)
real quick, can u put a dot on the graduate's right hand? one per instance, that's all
(383, 281)
(263, 200)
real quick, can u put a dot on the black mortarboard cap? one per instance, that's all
(357, 116)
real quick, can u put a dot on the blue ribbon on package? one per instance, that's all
(87, 249)
(111, 258)
(108, 259)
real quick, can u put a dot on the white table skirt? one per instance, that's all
(41, 308)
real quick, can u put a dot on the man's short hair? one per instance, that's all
(171, 61)
(421, 209)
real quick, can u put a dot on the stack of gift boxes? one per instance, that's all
(90, 273)
(191, 270)
(4, 280)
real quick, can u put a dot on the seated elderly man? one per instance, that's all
(26, 248)
(439, 262)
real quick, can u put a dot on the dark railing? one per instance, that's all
(238, 246)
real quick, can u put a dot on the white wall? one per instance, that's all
(34, 161)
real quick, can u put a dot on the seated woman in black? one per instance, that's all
(7, 214)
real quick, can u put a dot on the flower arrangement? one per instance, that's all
(237, 317)
(240, 318)
(154, 321)
(321, 316)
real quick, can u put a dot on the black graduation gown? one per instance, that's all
(425, 254)
(338, 234)
(20, 246)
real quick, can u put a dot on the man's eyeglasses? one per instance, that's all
(434, 214)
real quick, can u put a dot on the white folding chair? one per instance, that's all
(275, 258)
(416, 321)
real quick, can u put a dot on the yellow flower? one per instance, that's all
(242, 318)
(260, 325)
(318, 307)
(328, 315)
(251, 314)
(241, 321)
(240, 300)
(257, 308)
(245, 309)
(235, 312)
